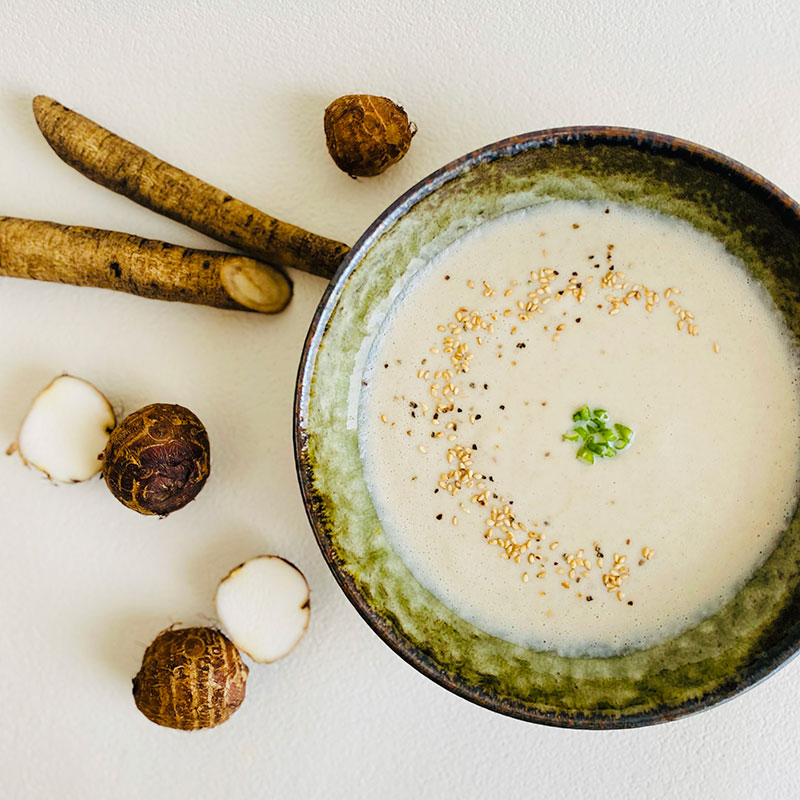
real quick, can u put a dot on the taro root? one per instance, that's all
(366, 134)
(157, 459)
(190, 678)
(264, 606)
(66, 430)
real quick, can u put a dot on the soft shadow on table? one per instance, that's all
(228, 550)
(123, 639)
(18, 387)
(18, 110)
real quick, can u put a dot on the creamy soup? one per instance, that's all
(472, 382)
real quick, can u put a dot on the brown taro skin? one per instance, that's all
(366, 134)
(157, 459)
(190, 678)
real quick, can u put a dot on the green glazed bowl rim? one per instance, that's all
(657, 143)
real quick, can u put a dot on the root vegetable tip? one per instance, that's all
(158, 459)
(66, 430)
(264, 605)
(190, 678)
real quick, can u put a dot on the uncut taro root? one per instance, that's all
(190, 679)
(157, 459)
(47, 251)
(129, 170)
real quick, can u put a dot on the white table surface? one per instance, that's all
(234, 92)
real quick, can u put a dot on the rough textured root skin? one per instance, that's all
(366, 134)
(190, 679)
(47, 251)
(157, 459)
(125, 168)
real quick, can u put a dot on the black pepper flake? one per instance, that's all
(459, 411)
(436, 415)
(574, 274)
(597, 266)
(477, 416)
(485, 385)
(502, 408)
(412, 404)
(520, 345)
(447, 277)
(472, 386)
(438, 516)
(591, 257)
(607, 211)
(386, 366)
(630, 602)
(436, 490)
(414, 414)
(589, 598)
(577, 319)
(474, 447)
(555, 272)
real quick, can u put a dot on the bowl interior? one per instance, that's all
(749, 637)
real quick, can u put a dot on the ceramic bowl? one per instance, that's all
(745, 641)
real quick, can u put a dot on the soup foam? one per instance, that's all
(486, 503)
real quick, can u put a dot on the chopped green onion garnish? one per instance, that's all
(623, 430)
(581, 413)
(597, 436)
(585, 454)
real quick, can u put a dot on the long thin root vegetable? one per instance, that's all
(47, 251)
(190, 678)
(129, 170)
(66, 430)
(158, 459)
(264, 605)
